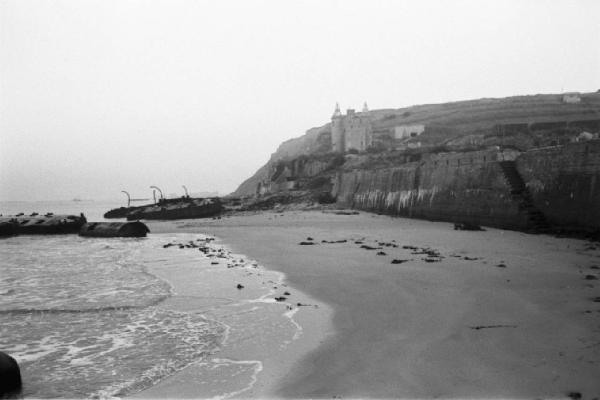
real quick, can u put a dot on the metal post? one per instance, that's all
(160, 191)
(128, 198)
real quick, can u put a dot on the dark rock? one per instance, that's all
(594, 267)
(466, 226)
(381, 253)
(501, 265)
(306, 243)
(287, 293)
(280, 298)
(240, 286)
(396, 261)
(367, 247)
(591, 277)
(574, 395)
(491, 326)
(309, 238)
(10, 377)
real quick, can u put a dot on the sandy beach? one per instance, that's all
(419, 310)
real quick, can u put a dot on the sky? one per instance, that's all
(102, 96)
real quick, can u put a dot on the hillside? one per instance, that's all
(522, 122)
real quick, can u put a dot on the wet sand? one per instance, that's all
(461, 314)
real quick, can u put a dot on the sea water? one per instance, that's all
(99, 317)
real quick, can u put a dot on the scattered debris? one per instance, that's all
(346, 212)
(381, 253)
(492, 326)
(367, 247)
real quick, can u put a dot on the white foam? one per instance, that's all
(256, 365)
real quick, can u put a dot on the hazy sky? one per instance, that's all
(102, 96)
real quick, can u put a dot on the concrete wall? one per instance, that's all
(565, 183)
(456, 187)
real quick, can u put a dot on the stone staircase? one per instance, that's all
(520, 193)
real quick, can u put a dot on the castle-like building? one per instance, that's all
(351, 131)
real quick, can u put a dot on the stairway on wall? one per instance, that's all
(520, 192)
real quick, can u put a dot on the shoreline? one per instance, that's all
(245, 365)
(498, 313)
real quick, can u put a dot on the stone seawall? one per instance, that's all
(564, 183)
(471, 187)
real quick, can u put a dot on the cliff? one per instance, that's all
(534, 166)
(560, 184)
(314, 141)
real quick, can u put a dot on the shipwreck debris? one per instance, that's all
(114, 229)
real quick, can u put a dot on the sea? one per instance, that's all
(102, 317)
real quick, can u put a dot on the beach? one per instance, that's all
(417, 309)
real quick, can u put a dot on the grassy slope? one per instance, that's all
(465, 117)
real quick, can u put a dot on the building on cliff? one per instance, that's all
(355, 131)
(572, 98)
(351, 131)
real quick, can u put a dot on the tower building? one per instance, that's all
(337, 131)
(351, 131)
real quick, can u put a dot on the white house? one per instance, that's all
(571, 98)
(407, 131)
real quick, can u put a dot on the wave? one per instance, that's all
(17, 311)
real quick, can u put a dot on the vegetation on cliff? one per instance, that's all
(521, 122)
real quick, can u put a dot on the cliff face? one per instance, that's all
(457, 187)
(314, 141)
(544, 177)
(562, 182)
